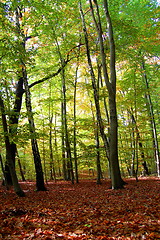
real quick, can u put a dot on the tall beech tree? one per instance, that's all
(37, 159)
(117, 181)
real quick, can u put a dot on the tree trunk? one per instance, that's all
(10, 161)
(96, 99)
(98, 163)
(64, 114)
(117, 181)
(139, 142)
(96, 134)
(152, 121)
(74, 130)
(13, 119)
(4, 174)
(20, 167)
(56, 148)
(63, 144)
(52, 167)
(37, 159)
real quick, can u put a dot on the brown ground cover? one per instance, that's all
(82, 211)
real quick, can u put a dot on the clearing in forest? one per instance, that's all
(82, 211)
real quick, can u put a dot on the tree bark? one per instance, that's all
(96, 99)
(152, 120)
(74, 130)
(37, 159)
(69, 164)
(67, 142)
(63, 144)
(10, 161)
(4, 174)
(52, 167)
(116, 179)
(13, 119)
(20, 167)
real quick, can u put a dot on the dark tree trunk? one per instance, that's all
(4, 174)
(37, 159)
(117, 181)
(13, 119)
(63, 144)
(10, 161)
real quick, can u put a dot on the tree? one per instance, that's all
(10, 161)
(117, 181)
(152, 120)
(37, 159)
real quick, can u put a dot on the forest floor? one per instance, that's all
(82, 211)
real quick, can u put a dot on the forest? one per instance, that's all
(79, 115)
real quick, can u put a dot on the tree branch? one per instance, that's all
(49, 76)
(58, 71)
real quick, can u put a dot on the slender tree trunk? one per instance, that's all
(20, 167)
(4, 174)
(139, 143)
(56, 147)
(37, 159)
(96, 99)
(74, 130)
(10, 161)
(133, 146)
(63, 144)
(68, 149)
(117, 181)
(152, 121)
(67, 142)
(106, 112)
(21, 170)
(13, 119)
(104, 98)
(98, 163)
(66, 135)
(52, 167)
(96, 133)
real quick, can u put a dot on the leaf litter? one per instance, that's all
(82, 211)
